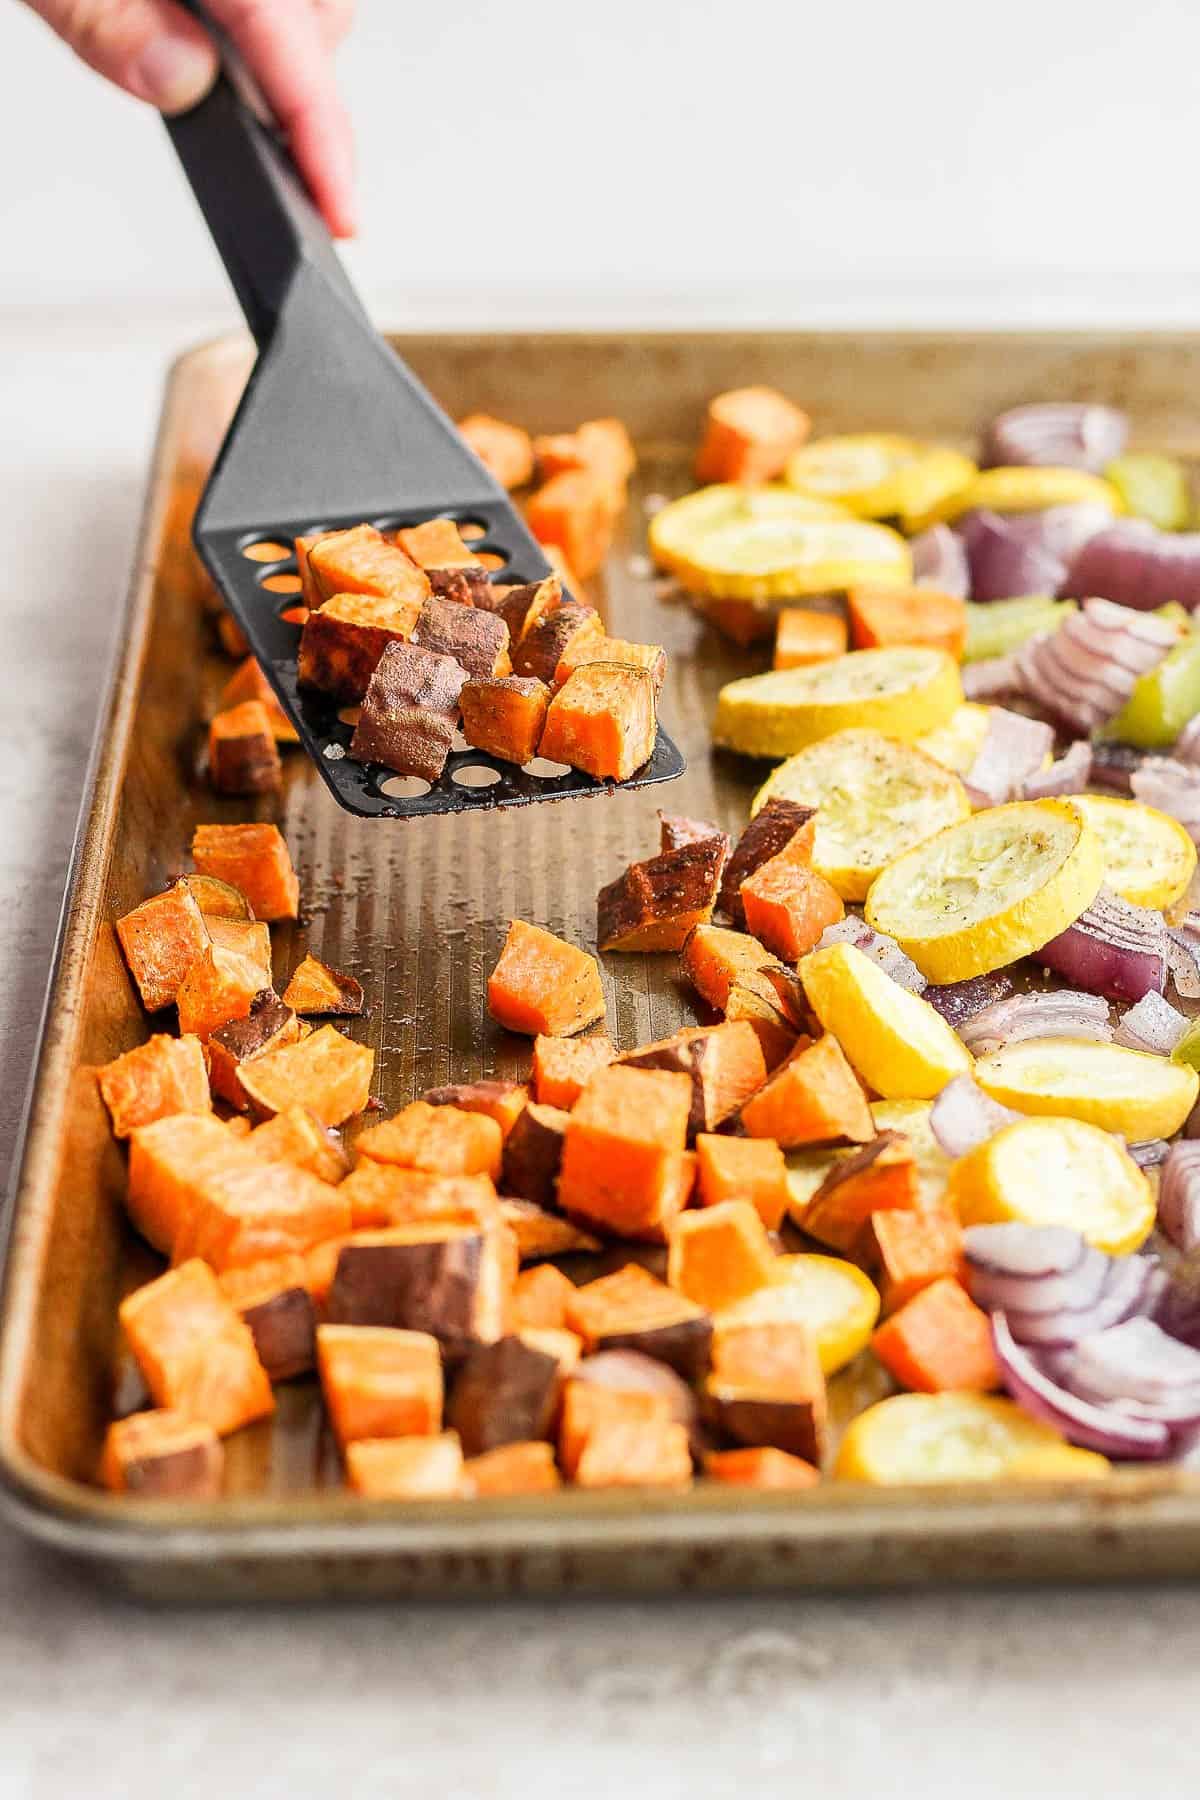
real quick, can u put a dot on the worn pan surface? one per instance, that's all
(417, 911)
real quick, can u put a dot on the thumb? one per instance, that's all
(151, 48)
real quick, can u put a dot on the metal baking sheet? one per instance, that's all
(417, 911)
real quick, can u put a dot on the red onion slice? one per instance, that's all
(1187, 744)
(1014, 748)
(1181, 953)
(1114, 765)
(1136, 564)
(1113, 949)
(1173, 787)
(963, 1116)
(1153, 1025)
(1030, 1252)
(1085, 670)
(1136, 1362)
(1007, 561)
(879, 947)
(1069, 775)
(1179, 1195)
(1096, 1427)
(958, 1001)
(1128, 1287)
(1061, 1012)
(1151, 1153)
(940, 561)
(992, 677)
(1061, 434)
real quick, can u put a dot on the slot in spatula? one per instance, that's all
(334, 430)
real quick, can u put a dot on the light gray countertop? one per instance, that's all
(1048, 1692)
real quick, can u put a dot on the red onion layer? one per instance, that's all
(1113, 949)
(1084, 672)
(879, 947)
(940, 561)
(1137, 565)
(963, 1116)
(1179, 1195)
(1105, 1428)
(1153, 1025)
(1173, 787)
(1062, 434)
(1014, 748)
(1069, 775)
(1060, 1012)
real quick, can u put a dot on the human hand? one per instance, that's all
(158, 52)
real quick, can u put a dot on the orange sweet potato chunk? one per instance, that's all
(939, 1342)
(195, 1353)
(885, 616)
(602, 446)
(587, 1408)
(326, 1072)
(603, 721)
(442, 1139)
(766, 1387)
(381, 1194)
(274, 1297)
(505, 715)
(575, 511)
(751, 1169)
(161, 940)
(523, 1468)
(361, 561)
(814, 1098)
(623, 1165)
(504, 449)
(541, 984)
(242, 754)
(623, 1454)
(540, 1233)
(254, 859)
(162, 1455)
(297, 1136)
(562, 1067)
(714, 959)
(250, 938)
(503, 1101)
(415, 1468)
(760, 1467)
(437, 544)
(248, 682)
(724, 1063)
(749, 434)
(632, 1310)
(220, 985)
(248, 1211)
(655, 904)
(804, 636)
(343, 640)
(907, 1251)
(788, 905)
(170, 1161)
(316, 988)
(379, 1382)
(596, 647)
(717, 1255)
(541, 1297)
(161, 1077)
(880, 1177)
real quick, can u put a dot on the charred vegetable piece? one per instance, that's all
(161, 939)
(533, 1155)
(254, 859)
(504, 449)
(881, 1176)
(415, 1468)
(623, 1164)
(505, 1392)
(576, 511)
(676, 831)
(379, 1382)
(655, 904)
(273, 1298)
(723, 1062)
(196, 1354)
(500, 1100)
(242, 757)
(772, 829)
(505, 715)
(466, 586)
(562, 1067)
(632, 1310)
(749, 435)
(325, 1072)
(597, 648)
(162, 1455)
(766, 1387)
(443, 1139)
(751, 1169)
(814, 1098)
(541, 984)
(602, 720)
(316, 988)
(545, 637)
(476, 640)
(410, 711)
(512, 1469)
(342, 642)
(718, 1254)
(359, 561)
(268, 1025)
(157, 1079)
(523, 606)
(445, 1278)
(541, 1234)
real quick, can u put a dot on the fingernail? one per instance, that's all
(174, 73)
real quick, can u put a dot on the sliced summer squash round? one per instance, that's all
(989, 890)
(902, 692)
(880, 476)
(1149, 859)
(945, 1437)
(1128, 1091)
(1056, 1171)
(895, 1040)
(875, 796)
(838, 1303)
(676, 531)
(933, 1165)
(780, 559)
(958, 742)
(1022, 489)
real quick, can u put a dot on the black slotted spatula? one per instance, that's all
(334, 430)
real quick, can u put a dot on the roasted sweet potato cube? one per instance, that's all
(325, 1072)
(631, 1372)
(576, 511)
(676, 830)
(381, 1194)
(562, 1067)
(169, 1163)
(342, 642)
(254, 859)
(477, 640)
(775, 827)
(503, 1101)
(632, 1310)
(881, 1177)
(437, 544)
(248, 682)
(443, 1139)
(590, 649)
(635, 1455)
(602, 720)
(524, 606)
(565, 1347)
(546, 637)
(316, 988)
(883, 616)
(220, 985)
(939, 1342)
(540, 1298)
(907, 1251)
(242, 754)
(766, 1387)
(804, 636)
(164, 1076)
(230, 635)
(450, 1279)
(297, 1136)
(777, 1036)
(623, 1164)
(717, 1255)
(723, 1062)
(410, 711)
(813, 1098)
(752, 1169)
(274, 1299)
(743, 622)
(714, 959)
(250, 938)
(541, 1234)
(416, 1468)
(655, 904)
(269, 1025)
(466, 584)
(505, 715)
(248, 1211)
(162, 1455)
(542, 985)
(195, 1353)
(511, 1469)
(748, 436)
(505, 450)
(380, 1383)
(600, 445)
(588, 1407)
(503, 1393)
(761, 1467)
(788, 905)
(161, 939)
(361, 561)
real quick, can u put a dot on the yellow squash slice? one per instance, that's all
(901, 692)
(896, 1041)
(838, 1303)
(947, 1437)
(933, 1165)
(958, 742)
(876, 797)
(989, 890)
(676, 531)
(1127, 1091)
(880, 476)
(1149, 859)
(1056, 1171)
(775, 559)
(1021, 490)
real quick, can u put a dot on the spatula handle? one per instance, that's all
(251, 194)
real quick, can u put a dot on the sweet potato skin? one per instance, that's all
(242, 754)
(540, 1233)
(631, 1310)
(409, 711)
(502, 1101)
(545, 638)
(655, 904)
(343, 640)
(475, 639)
(162, 1455)
(418, 1278)
(275, 1302)
(268, 1025)
(505, 1392)
(153, 1081)
(771, 830)
(533, 1154)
